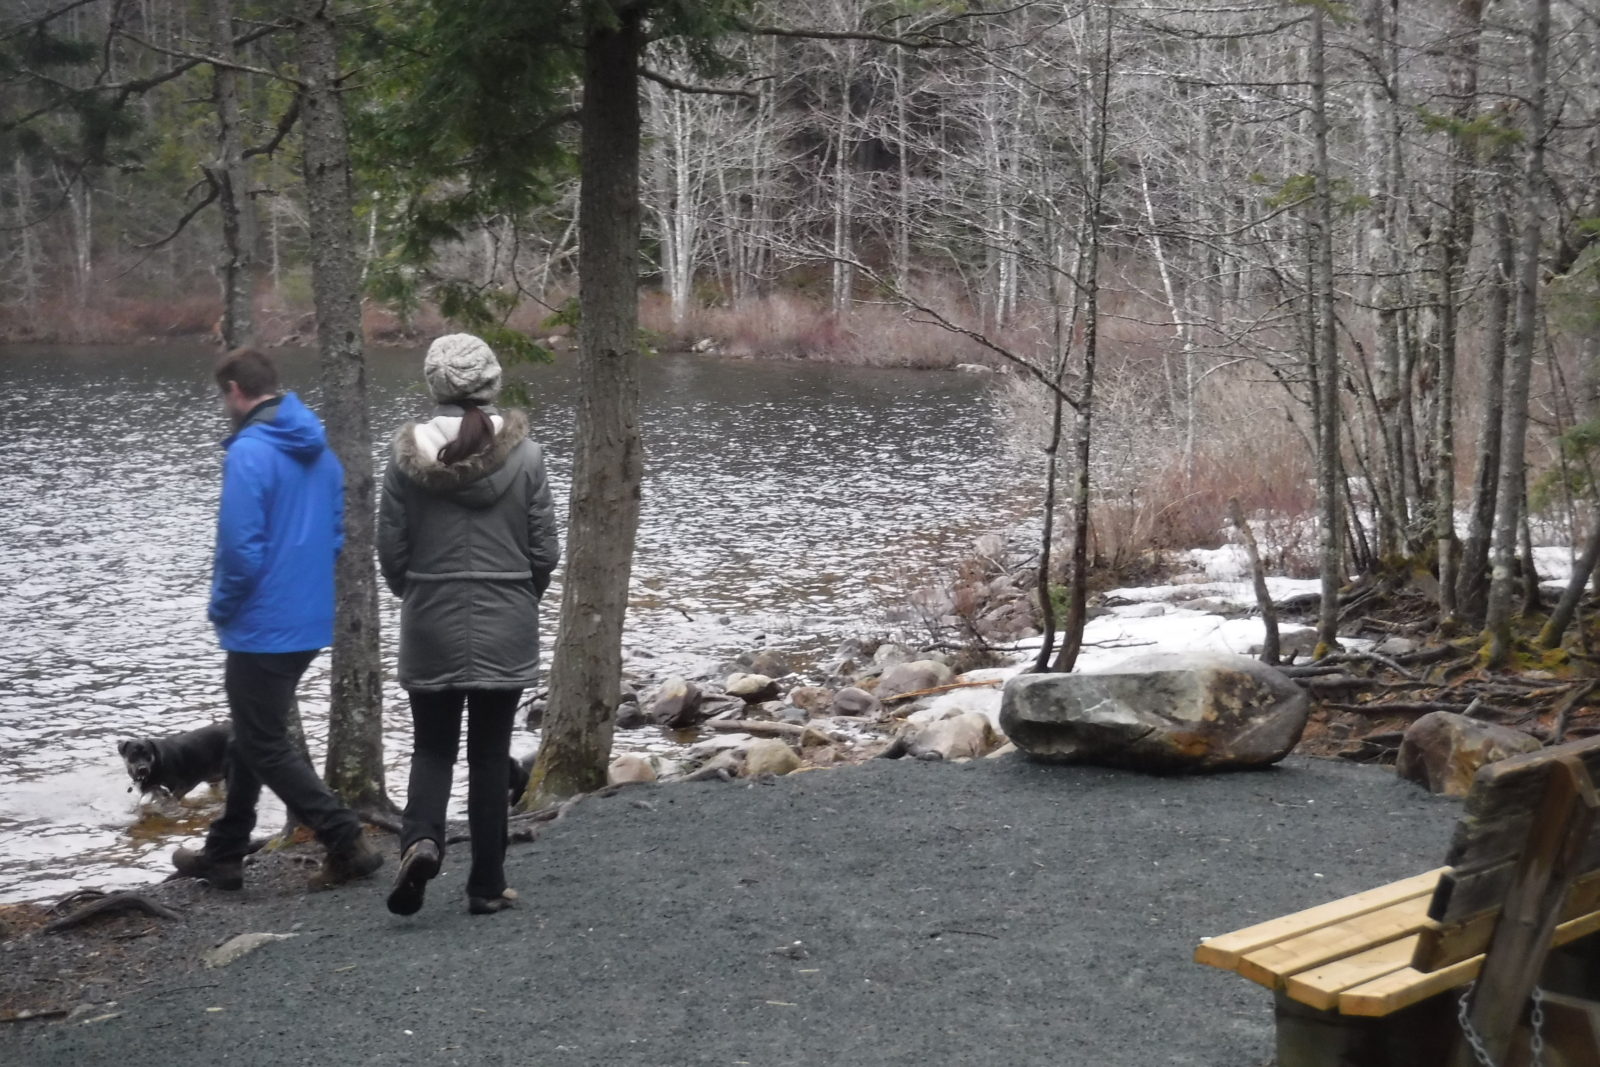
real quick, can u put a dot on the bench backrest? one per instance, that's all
(1526, 818)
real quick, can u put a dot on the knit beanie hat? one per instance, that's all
(460, 367)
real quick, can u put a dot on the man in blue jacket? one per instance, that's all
(279, 532)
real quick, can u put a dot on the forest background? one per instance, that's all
(1299, 255)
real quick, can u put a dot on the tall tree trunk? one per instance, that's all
(26, 244)
(1472, 586)
(1509, 497)
(230, 174)
(1464, 27)
(608, 465)
(843, 216)
(1078, 578)
(1327, 376)
(1567, 607)
(355, 726)
(902, 219)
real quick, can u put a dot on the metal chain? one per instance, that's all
(1479, 1051)
(1537, 1043)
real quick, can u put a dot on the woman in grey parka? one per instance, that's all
(467, 540)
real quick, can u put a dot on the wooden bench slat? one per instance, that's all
(1320, 987)
(1271, 965)
(1408, 986)
(1226, 951)
(1466, 893)
(1443, 945)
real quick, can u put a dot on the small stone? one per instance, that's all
(770, 662)
(631, 717)
(813, 699)
(912, 677)
(627, 769)
(769, 756)
(856, 702)
(677, 703)
(964, 735)
(752, 688)
(242, 945)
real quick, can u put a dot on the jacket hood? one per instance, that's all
(476, 482)
(292, 429)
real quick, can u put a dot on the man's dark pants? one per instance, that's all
(260, 688)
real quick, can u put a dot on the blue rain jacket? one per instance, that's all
(279, 531)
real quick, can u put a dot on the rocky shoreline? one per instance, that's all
(754, 717)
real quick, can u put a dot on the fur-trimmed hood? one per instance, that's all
(474, 482)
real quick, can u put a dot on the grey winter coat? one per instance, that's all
(468, 549)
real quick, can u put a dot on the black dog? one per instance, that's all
(177, 763)
(520, 770)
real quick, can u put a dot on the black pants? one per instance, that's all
(436, 722)
(260, 688)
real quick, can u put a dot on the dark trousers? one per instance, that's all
(436, 722)
(260, 688)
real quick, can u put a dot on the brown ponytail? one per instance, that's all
(476, 436)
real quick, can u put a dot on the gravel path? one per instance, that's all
(995, 912)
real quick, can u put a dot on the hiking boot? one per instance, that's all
(418, 866)
(490, 905)
(346, 863)
(219, 874)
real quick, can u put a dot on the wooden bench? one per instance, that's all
(1374, 980)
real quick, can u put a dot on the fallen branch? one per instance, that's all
(786, 730)
(113, 904)
(1422, 707)
(914, 694)
(383, 820)
(1398, 707)
(1564, 710)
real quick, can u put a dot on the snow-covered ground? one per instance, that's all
(1184, 616)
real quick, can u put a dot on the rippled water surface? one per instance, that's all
(787, 503)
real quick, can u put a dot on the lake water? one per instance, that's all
(787, 504)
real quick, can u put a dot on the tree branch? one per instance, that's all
(683, 87)
(188, 216)
(214, 61)
(285, 124)
(922, 41)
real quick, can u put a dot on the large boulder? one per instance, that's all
(1443, 750)
(912, 677)
(677, 703)
(1164, 712)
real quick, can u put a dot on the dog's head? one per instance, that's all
(143, 761)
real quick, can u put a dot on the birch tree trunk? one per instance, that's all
(608, 465)
(1331, 534)
(1509, 495)
(355, 727)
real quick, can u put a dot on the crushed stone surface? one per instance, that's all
(909, 913)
